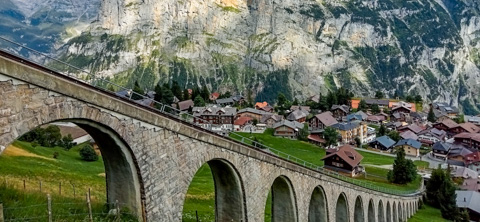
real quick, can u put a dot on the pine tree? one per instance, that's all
(303, 133)
(177, 91)
(362, 105)
(404, 171)
(186, 95)
(379, 94)
(375, 109)
(431, 116)
(331, 136)
(138, 92)
(382, 130)
(441, 194)
(199, 101)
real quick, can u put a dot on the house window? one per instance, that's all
(337, 164)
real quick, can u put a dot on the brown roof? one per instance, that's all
(75, 131)
(185, 105)
(346, 153)
(413, 127)
(470, 127)
(409, 135)
(472, 158)
(376, 118)
(473, 136)
(316, 138)
(448, 123)
(326, 118)
(242, 120)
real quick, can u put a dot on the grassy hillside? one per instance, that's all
(428, 213)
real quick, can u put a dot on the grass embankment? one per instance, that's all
(428, 213)
(21, 161)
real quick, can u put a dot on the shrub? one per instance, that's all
(55, 155)
(87, 153)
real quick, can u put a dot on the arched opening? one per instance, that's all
(317, 211)
(395, 213)
(122, 187)
(400, 212)
(381, 213)
(358, 215)
(389, 212)
(341, 209)
(215, 193)
(371, 211)
(282, 205)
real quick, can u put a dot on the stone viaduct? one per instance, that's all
(151, 158)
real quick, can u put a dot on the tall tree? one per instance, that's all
(431, 116)
(205, 93)
(138, 92)
(331, 99)
(394, 135)
(410, 99)
(199, 101)
(441, 194)
(418, 99)
(382, 131)
(186, 95)
(331, 136)
(303, 133)
(379, 94)
(375, 109)
(362, 105)
(177, 91)
(404, 171)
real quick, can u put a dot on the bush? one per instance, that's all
(87, 153)
(55, 155)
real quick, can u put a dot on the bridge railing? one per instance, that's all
(99, 82)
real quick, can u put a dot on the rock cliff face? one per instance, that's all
(300, 48)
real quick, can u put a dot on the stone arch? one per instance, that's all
(389, 212)
(317, 211)
(380, 212)
(123, 179)
(358, 215)
(400, 212)
(230, 202)
(341, 209)
(284, 207)
(395, 213)
(371, 211)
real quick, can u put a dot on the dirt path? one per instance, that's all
(15, 151)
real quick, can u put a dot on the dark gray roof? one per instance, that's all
(409, 142)
(297, 114)
(385, 141)
(361, 113)
(354, 116)
(214, 111)
(224, 101)
(237, 98)
(344, 108)
(124, 93)
(346, 126)
(275, 117)
(441, 146)
(468, 199)
(291, 124)
(145, 102)
(251, 110)
(380, 102)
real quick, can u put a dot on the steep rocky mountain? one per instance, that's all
(300, 48)
(44, 24)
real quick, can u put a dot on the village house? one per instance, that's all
(408, 135)
(241, 122)
(349, 131)
(225, 102)
(78, 134)
(472, 161)
(298, 115)
(264, 107)
(340, 111)
(470, 140)
(305, 108)
(418, 118)
(270, 119)
(445, 125)
(382, 143)
(472, 119)
(407, 105)
(353, 117)
(259, 105)
(146, 102)
(214, 96)
(472, 184)
(411, 147)
(431, 136)
(457, 154)
(253, 113)
(288, 129)
(185, 105)
(343, 159)
(440, 150)
(464, 128)
(377, 119)
(445, 109)
(381, 103)
(221, 117)
(412, 127)
(316, 139)
(469, 200)
(320, 121)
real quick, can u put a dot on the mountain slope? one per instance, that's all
(300, 48)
